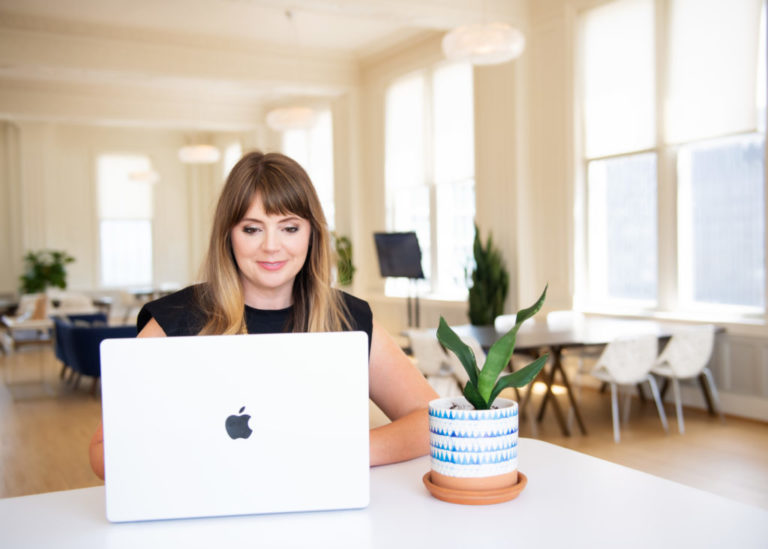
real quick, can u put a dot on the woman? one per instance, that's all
(268, 270)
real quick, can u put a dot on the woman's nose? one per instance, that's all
(270, 242)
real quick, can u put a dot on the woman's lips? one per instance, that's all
(271, 265)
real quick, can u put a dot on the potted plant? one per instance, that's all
(490, 283)
(345, 270)
(43, 269)
(473, 439)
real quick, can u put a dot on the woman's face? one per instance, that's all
(270, 250)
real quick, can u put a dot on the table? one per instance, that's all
(571, 500)
(534, 336)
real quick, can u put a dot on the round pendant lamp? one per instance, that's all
(290, 118)
(199, 154)
(484, 43)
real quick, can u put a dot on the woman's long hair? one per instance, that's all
(285, 189)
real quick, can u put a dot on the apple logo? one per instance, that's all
(237, 426)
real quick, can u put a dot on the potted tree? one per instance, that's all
(43, 269)
(473, 439)
(490, 282)
(345, 270)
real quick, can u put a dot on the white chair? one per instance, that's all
(62, 302)
(432, 361)
(504, 323)
(627, 362)
(30, 326)
(687, 356)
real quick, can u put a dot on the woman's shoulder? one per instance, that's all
(178, 313)
(355, 303)
(359, 312)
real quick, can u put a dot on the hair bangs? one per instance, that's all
(281, 193)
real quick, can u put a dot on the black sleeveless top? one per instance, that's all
(180, 314)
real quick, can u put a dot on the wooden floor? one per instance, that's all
(45, 429)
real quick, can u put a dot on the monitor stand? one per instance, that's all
(414, 312)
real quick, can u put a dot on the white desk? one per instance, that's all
(572, 500)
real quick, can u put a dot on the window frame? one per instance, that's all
(99, 219)
(669, 302)
(432, 287)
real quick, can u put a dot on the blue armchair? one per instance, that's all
(78, 340)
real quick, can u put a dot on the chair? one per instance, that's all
(504, 323)
(78, 344)
(686, 356)
(63, 302)
(626, 362)
(433, 361)
(62, 335)
(30, 326)
(86, 345)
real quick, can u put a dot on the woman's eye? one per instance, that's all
(291, 229)
(250, 230)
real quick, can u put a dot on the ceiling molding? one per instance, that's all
(145, 61)
(114, 106)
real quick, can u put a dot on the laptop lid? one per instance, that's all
(229, 425)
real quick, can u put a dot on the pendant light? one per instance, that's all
(484, 43)
(199, 154)
(292, 117)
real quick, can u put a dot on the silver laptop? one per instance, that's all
(230, 425)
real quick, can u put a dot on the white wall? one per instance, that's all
(48, 198)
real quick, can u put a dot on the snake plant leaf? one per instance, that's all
(519, 378)
(501, 352)
(525, 314)
(451, 341)
(495, 361)
(474, 398)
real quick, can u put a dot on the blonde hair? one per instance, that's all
(284, 188)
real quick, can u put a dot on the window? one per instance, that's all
(232, 154)
(673, 127)
(313, 149)
(125, 220)
(622, 208)
(721, 222)
(430, 172)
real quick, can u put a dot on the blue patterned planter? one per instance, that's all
(470, 443)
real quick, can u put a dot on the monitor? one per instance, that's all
(399, 254)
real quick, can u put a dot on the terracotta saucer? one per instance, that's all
(475, 497)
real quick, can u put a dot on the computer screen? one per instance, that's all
(399, 254)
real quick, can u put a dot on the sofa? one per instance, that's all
(77, 340)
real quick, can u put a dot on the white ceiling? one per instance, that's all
(352, 26)
(171, 46)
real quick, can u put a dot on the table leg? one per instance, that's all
(527, 397)
(557, 365)
(574, 404)
(707, 397)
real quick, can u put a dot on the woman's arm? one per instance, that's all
(96, 449)
(403, 394)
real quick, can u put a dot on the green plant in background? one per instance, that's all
(344, 268)
(490, 283)
(485, 385)
(43, 269)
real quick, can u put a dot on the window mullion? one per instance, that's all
(666, 170)
(429, 175)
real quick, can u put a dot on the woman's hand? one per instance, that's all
(96, 452)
